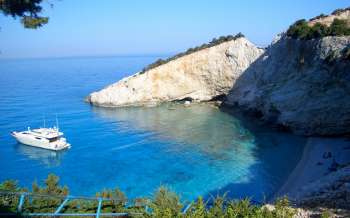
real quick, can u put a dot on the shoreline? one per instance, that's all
(315, 163)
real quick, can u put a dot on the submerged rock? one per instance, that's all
(199, 76)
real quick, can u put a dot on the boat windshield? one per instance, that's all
(53, 139)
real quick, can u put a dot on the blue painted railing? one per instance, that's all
(23, 195)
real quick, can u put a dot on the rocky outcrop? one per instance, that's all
(332, 191)
(200, 76)
(301, 84)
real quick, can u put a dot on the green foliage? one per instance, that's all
(317, 31)
(338, 11)
(283, 209)
(217, 210)
(164, 204)
(243, 208)
(118, 202)
(155, 64)
(34, 22)
(198, 209)
(299, 29)
(9, 202)
(339, 28)
(212, 43)
(302, 30)
(51, 187)
(45, 204)
(27, 10)
(318, 17)
(326, 214)
(10, 186)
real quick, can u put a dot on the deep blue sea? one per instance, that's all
(196, 150)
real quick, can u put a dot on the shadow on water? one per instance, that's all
(47, 157)
(251, 159)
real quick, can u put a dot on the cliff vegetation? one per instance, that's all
(302, 30)
(212, 43)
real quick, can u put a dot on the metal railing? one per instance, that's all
(58, 211)
(22, 196)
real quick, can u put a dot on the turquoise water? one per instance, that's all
(196, 150)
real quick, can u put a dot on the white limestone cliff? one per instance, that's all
(199, 76)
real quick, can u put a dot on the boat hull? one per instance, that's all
(41, 143)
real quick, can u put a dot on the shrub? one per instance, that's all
(302, 30)
(282, 208)
(339, 28)
(299, 29)
(326, 214)
(218, 209)
(165, 203)
(318, 30)
(118, 202)
(10, 186)
(242, 208)
(198, 209)
(338, 11)
(9, 202)
(45, 204)
(318, 17)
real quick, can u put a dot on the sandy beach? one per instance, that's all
(314, 169)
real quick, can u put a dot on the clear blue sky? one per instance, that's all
(131, 27)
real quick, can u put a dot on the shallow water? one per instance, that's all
(196, 150)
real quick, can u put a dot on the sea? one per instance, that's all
(200, 150)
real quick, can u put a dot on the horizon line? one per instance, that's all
(90, 56)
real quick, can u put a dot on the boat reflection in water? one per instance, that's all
(48, 157)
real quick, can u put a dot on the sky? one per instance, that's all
(152, 27)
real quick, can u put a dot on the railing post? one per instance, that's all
(62, 205)
(186, 208)
(21, 201)
(99, 208)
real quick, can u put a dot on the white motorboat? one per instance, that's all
(47, 138)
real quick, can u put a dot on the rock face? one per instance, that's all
(200, 76)
(301, 84)
(330, 191)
